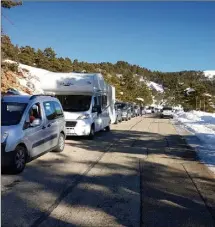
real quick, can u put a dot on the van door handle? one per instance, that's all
(43, 127)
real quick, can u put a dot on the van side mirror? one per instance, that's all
(97, 109)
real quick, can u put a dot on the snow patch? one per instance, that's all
(202, 125)
(155, 86)
(210, 74)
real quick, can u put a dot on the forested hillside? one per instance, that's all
(128, 79)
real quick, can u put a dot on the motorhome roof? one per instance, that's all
(69, 83)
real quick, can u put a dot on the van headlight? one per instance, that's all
(84, 116)
(4, 137)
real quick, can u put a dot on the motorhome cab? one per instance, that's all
(87, 101)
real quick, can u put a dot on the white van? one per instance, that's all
(87, 101)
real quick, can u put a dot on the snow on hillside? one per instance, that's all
(202, 125)
(155, 86)
(152, 85)
(209, 74)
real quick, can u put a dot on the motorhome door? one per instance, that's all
(96, 116)
(105, 112)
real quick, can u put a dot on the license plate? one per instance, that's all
(70, 131)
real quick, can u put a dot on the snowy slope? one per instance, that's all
(155, 86)
(209, 74)
(201, 124)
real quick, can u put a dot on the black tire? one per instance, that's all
(117, 121)
(61, 143)
(126, 119)
(92, 133)
(19, 159)
(107, 128)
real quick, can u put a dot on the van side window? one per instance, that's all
(49, 110)
(100, 100)
(35, 112)
(95, 103)
(104, 101)
(58, 109)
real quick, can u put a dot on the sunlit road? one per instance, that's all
(141, 173)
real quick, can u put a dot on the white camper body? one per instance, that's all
(87, 100)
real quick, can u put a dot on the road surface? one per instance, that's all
(141, 173)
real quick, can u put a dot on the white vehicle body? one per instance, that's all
(81, 94)
(147, 110)
(167, 112)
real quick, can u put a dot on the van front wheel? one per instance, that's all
(107, 128)
(19, 159)
(92, 132)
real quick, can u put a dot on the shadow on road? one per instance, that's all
(167, 191)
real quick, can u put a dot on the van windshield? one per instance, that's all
(167, 108)
(75, 103)
(11, 113)
(122, 106)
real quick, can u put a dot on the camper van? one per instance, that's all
(87, 100)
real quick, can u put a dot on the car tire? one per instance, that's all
(61, 143)
(19, 159)
(92, 133)
(107, 128)
(117, 121)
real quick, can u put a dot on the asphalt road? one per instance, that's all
(141, 173)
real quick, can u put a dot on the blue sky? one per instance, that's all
(166, 36)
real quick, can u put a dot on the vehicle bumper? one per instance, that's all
(6, 157)
(167, 115)
(82, 128)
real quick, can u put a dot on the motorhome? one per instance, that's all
(87, 100)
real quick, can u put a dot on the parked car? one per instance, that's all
(131, 106)
(137, 110)
(167, 112)
(126, 111)
(148, 110)
(30, 126)
(118, 113)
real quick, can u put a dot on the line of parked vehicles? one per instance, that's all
(125, 111)
(73, 104)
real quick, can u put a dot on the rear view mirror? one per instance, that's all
(97, 109)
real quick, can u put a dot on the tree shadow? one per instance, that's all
(111, 188)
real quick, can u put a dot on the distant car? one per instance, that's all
(132, 110)
(30, 126)
(166, 112)
(137, 110)
(118, 114)
(126, 111)
(148, 110)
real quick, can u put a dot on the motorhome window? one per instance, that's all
(49, 110)
(104, 101)
(100, 100)
(11, 113)
(58, 109)
(95, 101)
(75, 103)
